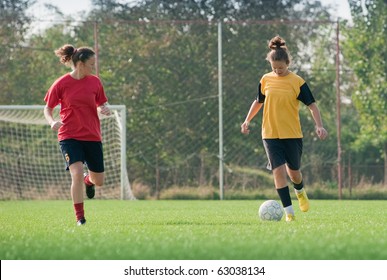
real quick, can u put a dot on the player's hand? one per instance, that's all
(55, 125)
(321, 132)
(104, 109)
(245, 128)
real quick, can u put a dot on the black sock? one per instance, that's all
(298, 186)
(284, 195)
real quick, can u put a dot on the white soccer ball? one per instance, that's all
(270, 210)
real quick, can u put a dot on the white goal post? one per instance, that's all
(32, 166)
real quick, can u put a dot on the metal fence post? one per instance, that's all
(220, 96)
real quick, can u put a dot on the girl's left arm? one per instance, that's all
(320, 130)
(104, 109)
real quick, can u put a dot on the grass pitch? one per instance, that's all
(191, 230)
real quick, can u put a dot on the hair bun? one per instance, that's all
(278, 50)
(277, 43)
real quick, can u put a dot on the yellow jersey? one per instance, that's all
(281, 97)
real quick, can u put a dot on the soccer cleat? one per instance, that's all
(290, 218)
(303, 200)
(81, 222)
(90, 189)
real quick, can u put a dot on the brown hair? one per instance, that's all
(279, 51)
(69, 54)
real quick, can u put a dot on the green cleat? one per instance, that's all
(290, 218)
(303, 200)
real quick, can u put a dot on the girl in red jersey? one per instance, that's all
(80, 96)
(281, 91)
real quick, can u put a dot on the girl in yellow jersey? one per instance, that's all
(282, 91)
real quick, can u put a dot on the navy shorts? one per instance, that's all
(89, 152)
(281, 151)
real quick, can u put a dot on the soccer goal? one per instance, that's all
(32, 166)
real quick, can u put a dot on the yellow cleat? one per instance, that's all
(290, 218)
(303, 201)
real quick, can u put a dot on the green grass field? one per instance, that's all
(191, 230)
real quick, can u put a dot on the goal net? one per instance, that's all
(32, 166)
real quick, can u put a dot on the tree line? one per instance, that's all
(160, 59)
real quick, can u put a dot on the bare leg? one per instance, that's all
(281, 184)
(76, 171)
(280, 177)
(294, 175)
(97, 178)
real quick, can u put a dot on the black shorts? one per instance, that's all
(281, 151)
(89, 152)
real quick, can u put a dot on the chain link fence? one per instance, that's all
(167, 74)
(170, 83)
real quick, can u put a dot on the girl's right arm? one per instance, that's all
(254, 109)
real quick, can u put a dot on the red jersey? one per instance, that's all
(78, 100)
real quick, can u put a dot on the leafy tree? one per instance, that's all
(164, 63)
(365, 49)
(166, 73)
(14, 24)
